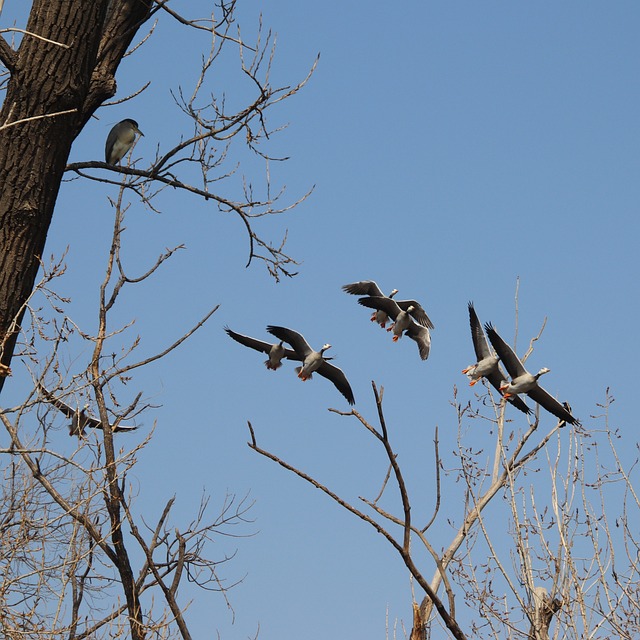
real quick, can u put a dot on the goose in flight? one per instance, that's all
(313, 361)
(487, 365)
(80, 420)
(524, 382)
(276, 352)
(370, 289)
(403, 322)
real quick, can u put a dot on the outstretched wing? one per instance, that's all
(363, 288)
(547, 401)
(336, 375)
(259, 345)
(381, 303)
(422, 337)
(418, 313)
(80, 419)
(296, 340)
(480, 344)
(57, 403)
(505, 353)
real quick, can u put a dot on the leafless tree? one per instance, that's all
(55, 79)
(78, 559)
(572, 569)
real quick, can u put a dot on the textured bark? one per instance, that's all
(544, 610)
(47, 79)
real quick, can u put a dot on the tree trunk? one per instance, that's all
(73, 74)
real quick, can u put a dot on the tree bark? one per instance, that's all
(55, 86)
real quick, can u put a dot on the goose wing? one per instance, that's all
(548, 402)
(120, 427)
(480, 344)
(336, 375)
(259, 345)
(505, 353)
(57, 403)
(418, 313)
(422, 337)
(293, 338)
(363, 288)
(381, 303)
(83, 418)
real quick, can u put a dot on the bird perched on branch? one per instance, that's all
(524, 382)
(313, 361)
(79, 418)
(120, 140)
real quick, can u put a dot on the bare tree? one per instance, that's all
(62, 72)
(568, 506)
(72, 538)
(79, 559)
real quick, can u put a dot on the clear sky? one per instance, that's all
(455, 147)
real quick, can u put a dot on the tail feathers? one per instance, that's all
(306, 376)
(273, 367)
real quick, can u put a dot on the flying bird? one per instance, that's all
(403, 322)
(276, 352)
(120, 140)
(79, 418)
(370, 289)
(524, 382)
(313, 361)
(487, 365)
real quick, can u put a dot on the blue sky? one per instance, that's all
(456, 148)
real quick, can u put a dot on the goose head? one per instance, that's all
(542, 372)
(324, 348)
(393, 293)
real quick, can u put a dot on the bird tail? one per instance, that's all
(273, 367)
(307, 376)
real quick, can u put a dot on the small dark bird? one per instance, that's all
(120, 140)
(313, 361)
(524, 382)
(487, 365)
(79, 418)
(276, 352)
(370, 289)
